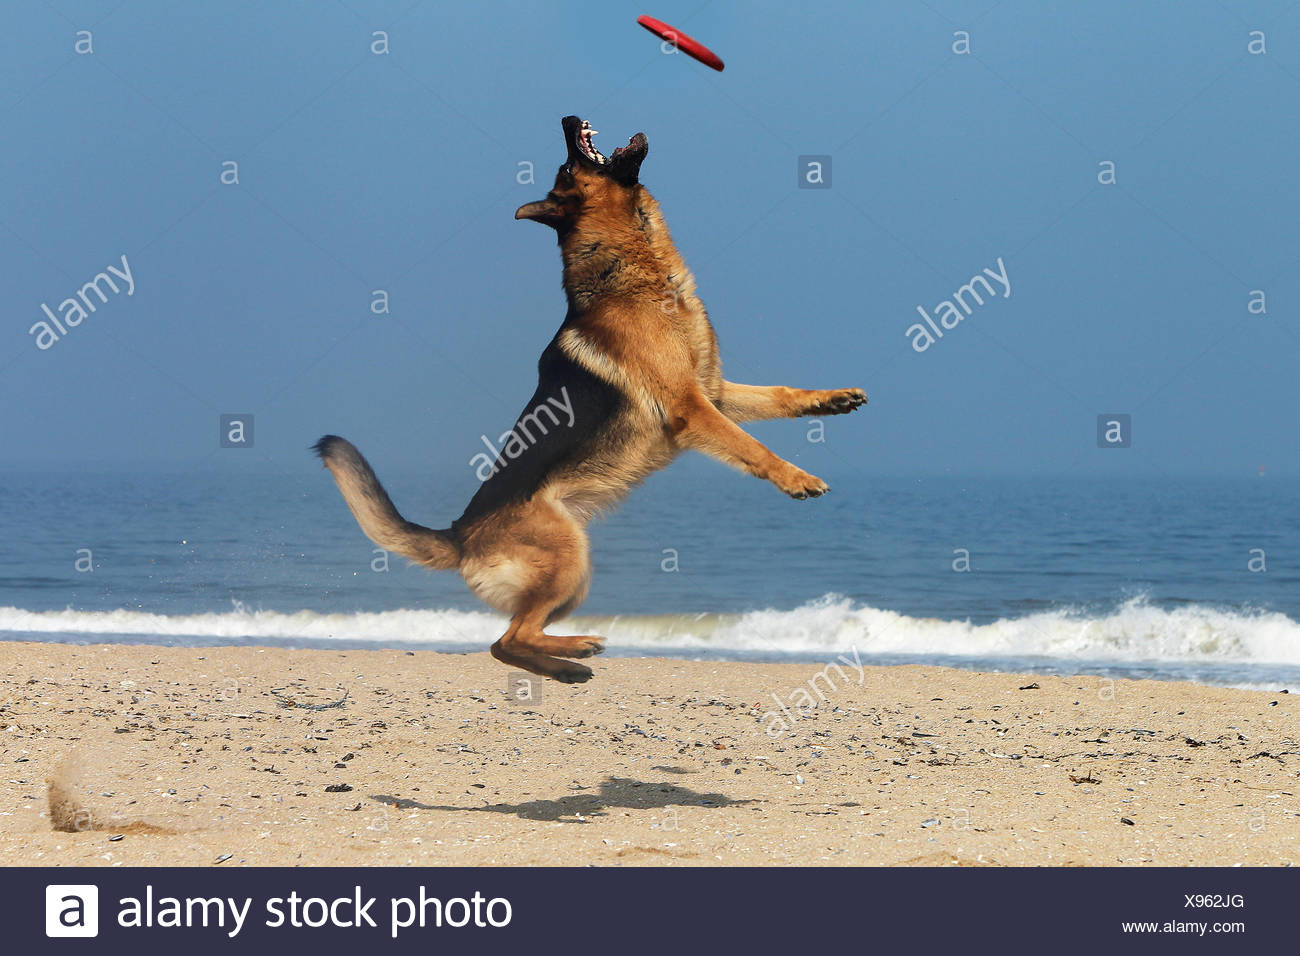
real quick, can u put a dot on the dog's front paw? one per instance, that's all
(799, 484)
(839, 401)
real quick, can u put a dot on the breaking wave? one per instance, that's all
(1132, 631)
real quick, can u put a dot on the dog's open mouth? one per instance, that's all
(583, 141)
(581, 144)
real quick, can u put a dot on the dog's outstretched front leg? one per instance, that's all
(831, 401)
(695, 423)
(747, 403)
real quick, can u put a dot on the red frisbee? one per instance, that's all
(688, 45)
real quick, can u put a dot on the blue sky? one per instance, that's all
(360, 172)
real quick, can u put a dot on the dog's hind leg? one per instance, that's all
(548, 558)
(527, 646)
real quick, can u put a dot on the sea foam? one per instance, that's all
(1134, 630)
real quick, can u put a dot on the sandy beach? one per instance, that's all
(139, 755)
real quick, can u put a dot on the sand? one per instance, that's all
(116, 755)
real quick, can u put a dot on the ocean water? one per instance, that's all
(1193, 580)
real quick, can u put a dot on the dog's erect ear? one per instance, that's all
(543, 211)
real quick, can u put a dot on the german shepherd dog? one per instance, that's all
(636, 365)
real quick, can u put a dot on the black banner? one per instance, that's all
(649, 910)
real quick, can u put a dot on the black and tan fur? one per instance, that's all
(638, 360)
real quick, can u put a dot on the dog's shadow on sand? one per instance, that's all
(613, 793)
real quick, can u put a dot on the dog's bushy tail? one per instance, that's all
(374, 510)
